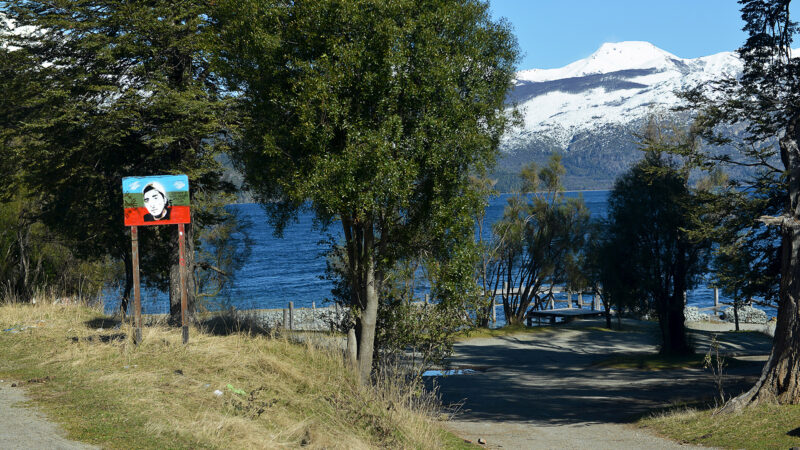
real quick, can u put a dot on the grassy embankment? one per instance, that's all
(105, 390)
(764, 426)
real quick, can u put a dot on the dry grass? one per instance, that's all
(508, 330)
(105, 390)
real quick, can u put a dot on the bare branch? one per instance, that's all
(782, 221)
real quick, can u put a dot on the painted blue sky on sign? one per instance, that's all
(172, 183)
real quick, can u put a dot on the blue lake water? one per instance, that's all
(291, 268)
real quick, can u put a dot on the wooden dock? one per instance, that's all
(567, 314)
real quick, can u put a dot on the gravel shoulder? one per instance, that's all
(22, 427)
(544, 390)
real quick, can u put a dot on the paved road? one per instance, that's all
(25, 428)
(542, 390)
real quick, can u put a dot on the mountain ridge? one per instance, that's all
(589, 110)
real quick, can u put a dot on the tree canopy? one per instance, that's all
(539, 238)
(373, 113)
(649, 246)
(103, 89)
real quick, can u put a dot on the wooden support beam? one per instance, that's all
(182, 270)
(137, 296)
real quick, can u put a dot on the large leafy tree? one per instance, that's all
(109, 89)
(765, 103)
(648, 245)
(372, 113)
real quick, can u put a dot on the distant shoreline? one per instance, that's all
(568, 190)
(499, 194)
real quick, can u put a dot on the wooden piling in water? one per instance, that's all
(291, 315)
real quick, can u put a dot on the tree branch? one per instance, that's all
(782, 221)
(206, 266)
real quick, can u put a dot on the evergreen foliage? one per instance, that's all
(765, 101)
(649, 259)
(746, 263)
(372, 113)
(100, 89)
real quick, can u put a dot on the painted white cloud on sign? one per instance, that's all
(134, 185)
(179, 184)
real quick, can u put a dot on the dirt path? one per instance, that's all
(25, 428)
(543, 391)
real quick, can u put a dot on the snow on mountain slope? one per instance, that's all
(619, 84)
(610, 57)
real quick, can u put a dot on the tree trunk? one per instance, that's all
(369, 315)
(126, 293)
(779, 381)
(607, 307)
(676, 342)
(175, 279)
(24, 289)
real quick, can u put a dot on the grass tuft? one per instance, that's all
(508, 330)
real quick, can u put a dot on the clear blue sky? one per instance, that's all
(554, 33)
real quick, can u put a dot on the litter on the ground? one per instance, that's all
(18, 328)
(236, 391)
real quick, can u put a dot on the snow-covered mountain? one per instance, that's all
(589, 109)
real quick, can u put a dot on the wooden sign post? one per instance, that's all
(182, 270)
(157, 200)
(137, 296)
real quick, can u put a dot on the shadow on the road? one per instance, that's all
(550, 379)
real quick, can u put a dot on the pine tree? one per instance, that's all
(648, 246)
(766, 101)
(112, 89)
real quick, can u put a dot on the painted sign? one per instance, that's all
(156, 200)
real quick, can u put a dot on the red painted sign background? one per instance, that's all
(178, 214)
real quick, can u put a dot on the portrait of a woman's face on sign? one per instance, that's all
(156, 200)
